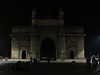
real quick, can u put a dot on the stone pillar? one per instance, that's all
(33, 42)
(62, 46)
(81, 50)
(34, 46)
(14, 48)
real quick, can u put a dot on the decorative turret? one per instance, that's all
(61, 13)
(61, 17)
(34, 13)
(34, 16)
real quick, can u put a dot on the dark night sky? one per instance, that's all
(86, 13)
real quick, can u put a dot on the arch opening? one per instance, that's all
(23, 54)
(48, 49)
(71, 54)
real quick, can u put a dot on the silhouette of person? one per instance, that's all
(88, 62)
(35, 60)
(93, 63)
(99, 63)
(48, 58)
(31, 59)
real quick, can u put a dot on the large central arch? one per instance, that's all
(47, 49)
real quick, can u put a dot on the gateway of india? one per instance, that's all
(48, 37)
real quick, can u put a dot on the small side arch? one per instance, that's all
(71, 54)
(72, 49)
(23, 54)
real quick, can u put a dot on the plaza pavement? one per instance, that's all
(52, 68)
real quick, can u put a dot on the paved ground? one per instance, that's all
(44, 68)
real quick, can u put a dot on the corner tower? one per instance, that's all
(34, 13)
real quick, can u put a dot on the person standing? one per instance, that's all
(88, 62)
(99, 63)
(31, 59)
(93, 63)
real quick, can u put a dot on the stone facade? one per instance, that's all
(47, 37)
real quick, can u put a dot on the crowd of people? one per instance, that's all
(92, 62)
(21, 66)
(35, 60)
